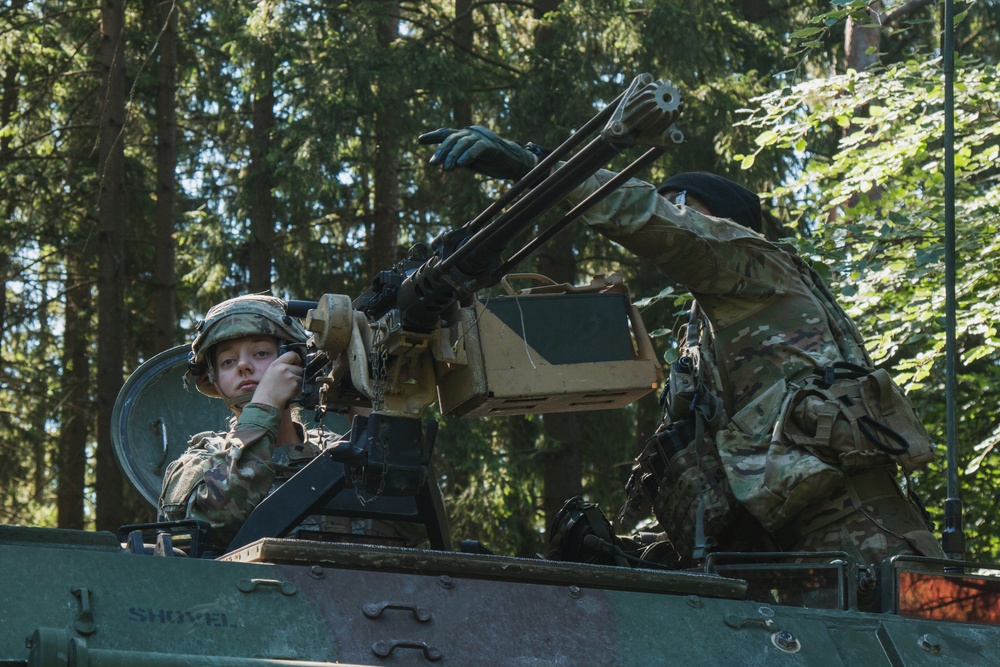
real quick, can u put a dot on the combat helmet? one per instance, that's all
(247, 315)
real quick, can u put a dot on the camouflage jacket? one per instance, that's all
(767, 324)
(223, 476)
(770, 323)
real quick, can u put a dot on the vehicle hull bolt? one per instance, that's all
(930, 643)
(786, 641)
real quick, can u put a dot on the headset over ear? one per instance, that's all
(195, 367)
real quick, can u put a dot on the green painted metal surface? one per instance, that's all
(154, 416)
(73, 598)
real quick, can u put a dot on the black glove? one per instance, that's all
(480, 150)
(580, 533)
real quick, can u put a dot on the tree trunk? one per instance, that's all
(38, 440)
(5, 270)
(563, 458)
(164, 281)
(861, 43)
(464, 35)
(71, 466)
(261, 178)
(111, 265)
(8, 104)
(562, 461)
(385, 223)
(463, 186)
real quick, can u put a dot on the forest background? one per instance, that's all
(158, 157)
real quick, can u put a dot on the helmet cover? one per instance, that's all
(243, 316)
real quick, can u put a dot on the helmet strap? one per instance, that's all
(238, 401)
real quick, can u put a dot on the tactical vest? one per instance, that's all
(710, 477)
(679, 475)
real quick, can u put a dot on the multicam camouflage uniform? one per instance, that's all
(767, 325)
(223, 475)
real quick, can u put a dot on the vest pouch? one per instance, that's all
(180, 482)
(648, 473)
(686, 482)
(773, 479)
(681, 389)
(858, 418)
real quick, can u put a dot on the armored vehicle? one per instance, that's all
(162, 595)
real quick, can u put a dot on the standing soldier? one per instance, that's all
(777, 432)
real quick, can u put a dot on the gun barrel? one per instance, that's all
(299, 309)
(549, 161)
(643, 115)
(471, 259)
(531, 247)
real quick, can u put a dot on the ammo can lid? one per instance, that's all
(155, 416)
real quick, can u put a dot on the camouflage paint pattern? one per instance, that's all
(223, 476)
(767, 325)
(247, 315)
(835, 524)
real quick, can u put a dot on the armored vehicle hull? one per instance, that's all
(76, 598)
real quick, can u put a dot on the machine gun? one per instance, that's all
(418, 334)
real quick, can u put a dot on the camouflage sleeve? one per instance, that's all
(710, 256)
(222, 477)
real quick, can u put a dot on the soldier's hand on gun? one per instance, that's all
(480, 150)
(281, 382)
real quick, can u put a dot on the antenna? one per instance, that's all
(953, 538)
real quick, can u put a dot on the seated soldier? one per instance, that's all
(223, 476)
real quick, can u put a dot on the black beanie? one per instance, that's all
(724, 198)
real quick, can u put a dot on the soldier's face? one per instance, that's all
(240, 364)
(689, 200)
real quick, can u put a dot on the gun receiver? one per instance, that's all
(417, 334)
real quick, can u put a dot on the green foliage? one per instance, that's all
(490, 485)
(873, 209)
